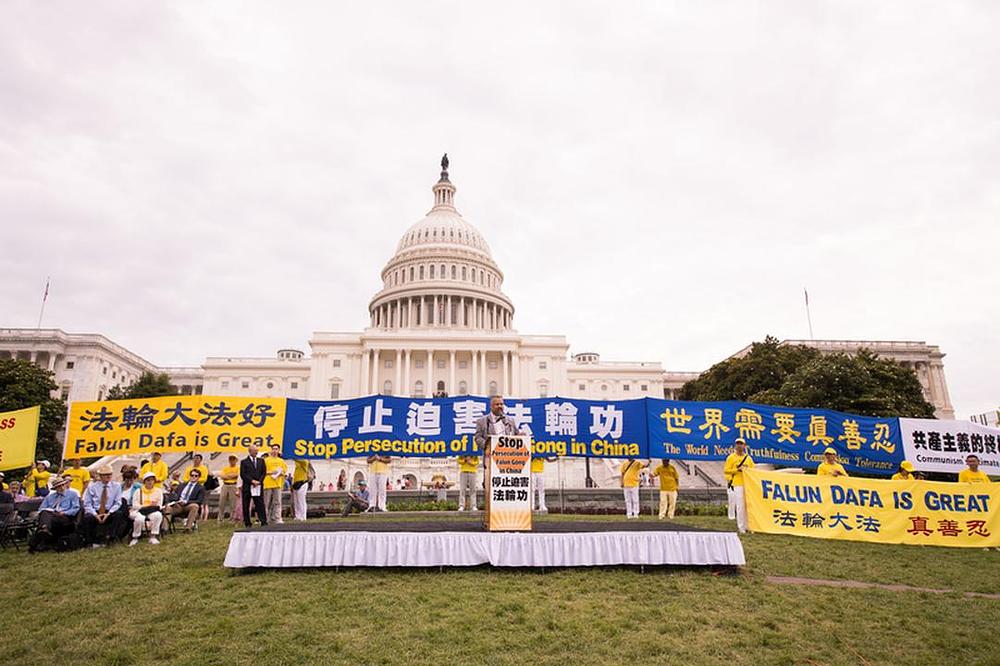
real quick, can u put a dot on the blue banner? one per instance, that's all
(438, 427)
(790, 437)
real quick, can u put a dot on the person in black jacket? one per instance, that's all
(252, 472)
(187, 499)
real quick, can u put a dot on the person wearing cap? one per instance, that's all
(102, 504)
(59, 508)
(147, 504)
(36, 484)
(736, 463)
(228, 478)
(905, 472)
(79, 476)
(830, 466)
(157, 467)
(972, 473)
(357, 501)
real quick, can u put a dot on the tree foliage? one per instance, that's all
(797, 376)
(148, 385)
(23, 384)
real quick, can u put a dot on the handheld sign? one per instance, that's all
(508, 484)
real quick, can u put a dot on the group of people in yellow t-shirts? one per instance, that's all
(631, 479)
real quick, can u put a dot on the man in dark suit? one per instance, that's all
(187, 500)
(252, 472)
(493, 423)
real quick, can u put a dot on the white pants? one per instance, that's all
(739, 500)
(538, 483)
(467, 491)
(139, 521)
(668, 502)
(631, 502)
(299, 502)
(730, 504)
(378, 491)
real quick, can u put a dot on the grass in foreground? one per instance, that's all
(176, 603)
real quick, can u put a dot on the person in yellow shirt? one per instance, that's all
(274, 484)
(538, 483)
(196, 463)
(300, 486)
(905, 472)
(79, 476)
(736, 462)
(229, 476)
(630, 485)
(468, 466)
(669, 483)
(830, 466)
(378, 467)
(972, 474)
(36, 484)
(157, 467)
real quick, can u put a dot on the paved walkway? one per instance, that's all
(792, 580)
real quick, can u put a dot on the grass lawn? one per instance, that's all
(175, 603)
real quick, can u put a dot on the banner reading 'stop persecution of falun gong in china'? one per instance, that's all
(905, 512)
(18, 437)
(440, 427)
(172, 424)
(785, 436)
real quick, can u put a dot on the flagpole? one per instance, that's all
(45, 297)
(808, 316)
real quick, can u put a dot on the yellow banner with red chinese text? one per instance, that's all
(906, 512)
(172, 424)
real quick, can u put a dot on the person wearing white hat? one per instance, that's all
(830, 466)
(736, 462)
(147, 504)
(36, 484)
(102, 503)
(58, 510)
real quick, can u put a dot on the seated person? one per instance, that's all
(102, 508)
(357, 501)
(57, 514)
(17, 492)
(187, 500)
(146, 505)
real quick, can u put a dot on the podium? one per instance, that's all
(508, 484)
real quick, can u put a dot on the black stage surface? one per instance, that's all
(539, 527)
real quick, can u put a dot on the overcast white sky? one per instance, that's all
(658, 181)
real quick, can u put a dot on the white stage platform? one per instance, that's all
(562, 544)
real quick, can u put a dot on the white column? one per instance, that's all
(517, 373)
(504, 386)
(451, 372)
(482, 378)
(364, 373)
(52, 361)
(399, 372)
(447, 311)
(409, 314)
(474, 362)
(373, 367)
(430, 373)
(407, 391)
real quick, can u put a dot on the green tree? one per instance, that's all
(148, 385)
(798, 376)
(24, 384)
(764, 367)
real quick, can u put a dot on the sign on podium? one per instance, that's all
(508, 484)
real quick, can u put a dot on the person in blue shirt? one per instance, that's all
(359, 500)
(58, 510)
(102, 508)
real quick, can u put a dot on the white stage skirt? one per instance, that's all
(500, 549)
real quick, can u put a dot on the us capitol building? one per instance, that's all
(440, 325)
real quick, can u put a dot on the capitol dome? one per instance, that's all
(442, 275)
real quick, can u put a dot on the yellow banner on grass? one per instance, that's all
(176, 423)
(18, 437)
(909, 512)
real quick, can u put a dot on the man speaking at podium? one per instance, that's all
(494, 423)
